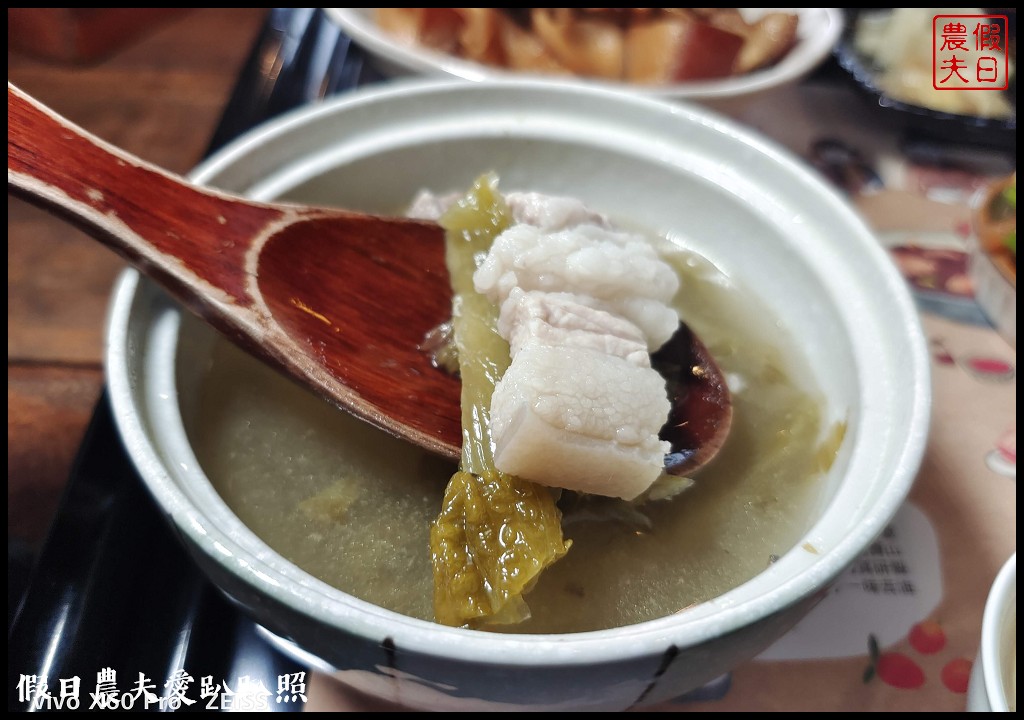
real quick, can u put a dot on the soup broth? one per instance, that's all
(353, 506)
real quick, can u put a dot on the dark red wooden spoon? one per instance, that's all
(341, 301)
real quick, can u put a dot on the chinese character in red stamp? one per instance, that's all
(969, 52)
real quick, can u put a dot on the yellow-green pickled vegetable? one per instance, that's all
(494, 536)
(496, 532)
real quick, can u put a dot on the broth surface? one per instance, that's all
(352, 506)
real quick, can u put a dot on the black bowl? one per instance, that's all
(997, 133)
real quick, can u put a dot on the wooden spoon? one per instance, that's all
(340, 301)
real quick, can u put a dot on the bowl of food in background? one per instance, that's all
(680, 53)
(993, 260)
(320, 526)
(993, 684)
(890, 54)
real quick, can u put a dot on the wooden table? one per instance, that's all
(159, 97)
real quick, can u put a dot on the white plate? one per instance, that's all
(817, 33)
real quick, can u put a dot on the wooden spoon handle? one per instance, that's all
(188, 239)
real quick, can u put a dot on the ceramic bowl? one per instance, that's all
(817, 32)
(993, 685)
(747, 205)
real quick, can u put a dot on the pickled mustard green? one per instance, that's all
(495, 533)
(494, 536)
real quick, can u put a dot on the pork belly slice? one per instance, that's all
(613, 271)
(551, 212)
(559, 319)
(547, 212)
(577, 418)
